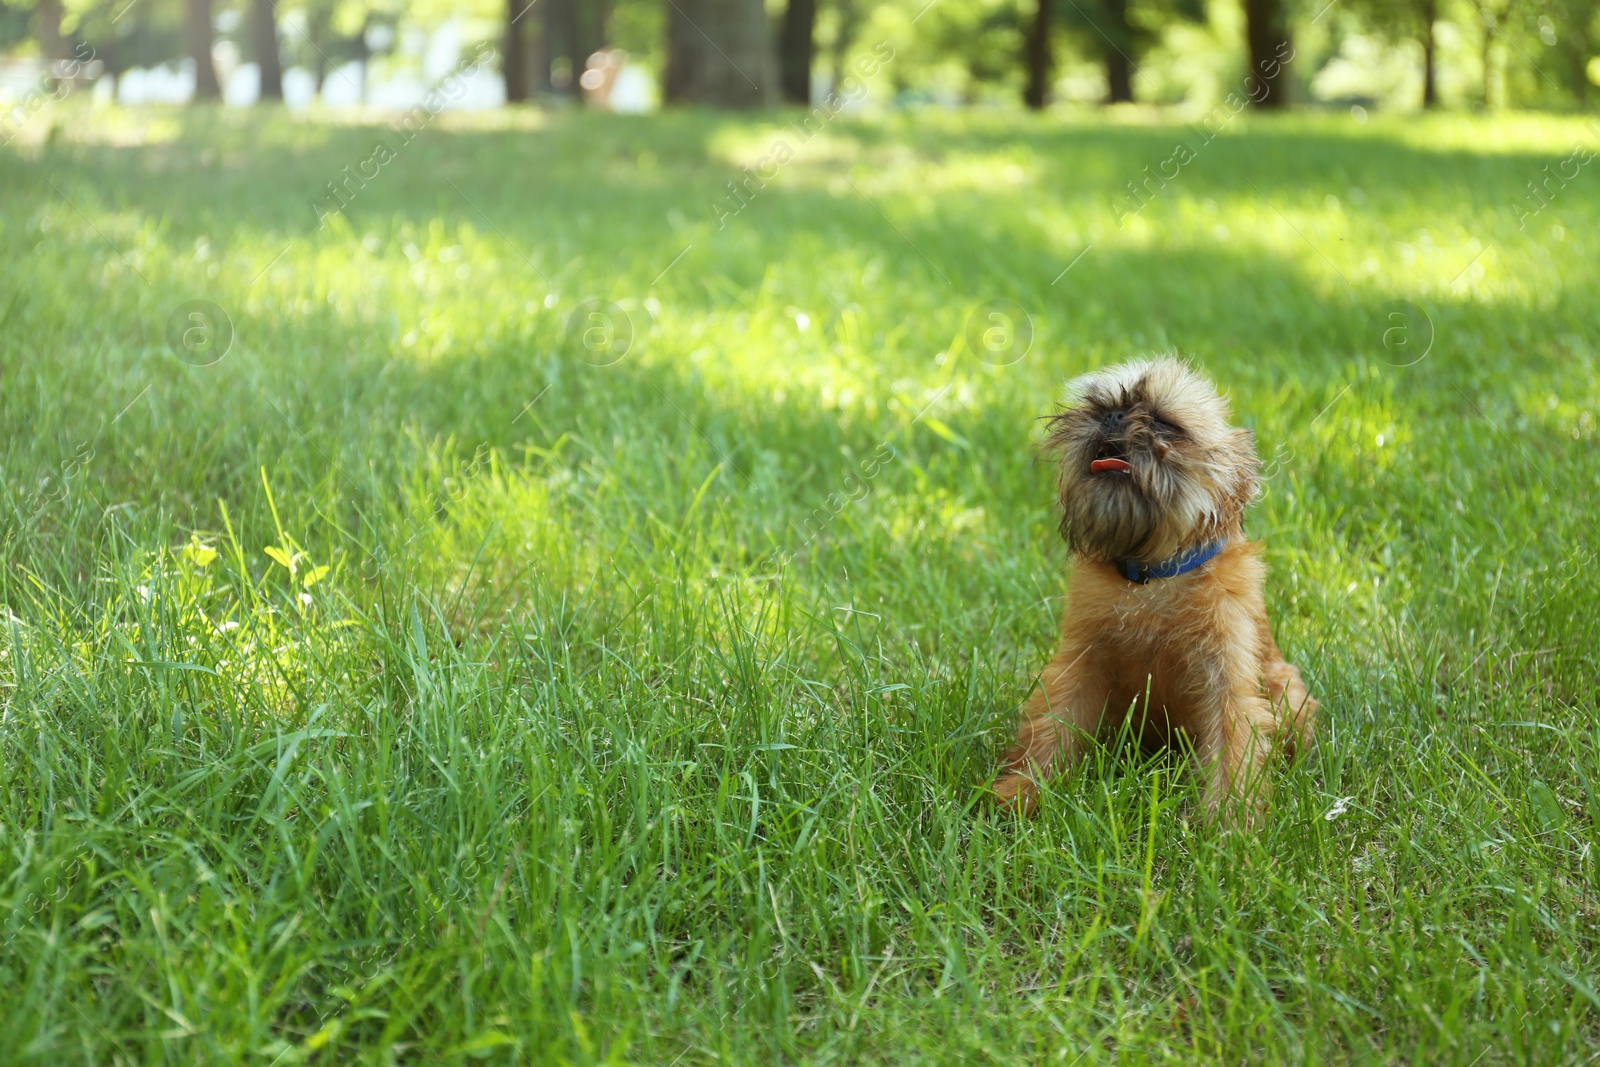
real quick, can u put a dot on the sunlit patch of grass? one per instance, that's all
(415, 682)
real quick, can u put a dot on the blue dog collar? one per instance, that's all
(1141, 573)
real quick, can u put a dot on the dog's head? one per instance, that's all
(1149, 464)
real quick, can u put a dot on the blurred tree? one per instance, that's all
(726, 53)
(569, 33)
(201, 34)
(554, 46)
(716, 53)
(1491, 15)
(15, 26)
(47, 30)
(330, 43)
(846, 25)
(796, 48)
(1572, 24)
(1122, 31)
(1040, 57)
(1427, 17)
(640, 28)
(123, 44)
(329, 34)
(264, 43)
(987, 38)
(514, 61)
(1271, 51)
(589, 30)
(1414, 20)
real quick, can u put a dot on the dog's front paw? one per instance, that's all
(1228, 810)
(1016, 791)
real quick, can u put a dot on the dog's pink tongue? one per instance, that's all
(1100, 465)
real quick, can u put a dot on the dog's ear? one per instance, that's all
(1247, 470)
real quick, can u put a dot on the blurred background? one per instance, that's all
(640, 55)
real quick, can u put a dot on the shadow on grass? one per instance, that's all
(599, 206)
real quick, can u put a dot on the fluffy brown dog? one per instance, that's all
(1164, 619)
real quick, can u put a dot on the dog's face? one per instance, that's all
(1149, 464)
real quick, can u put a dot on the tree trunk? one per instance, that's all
(1488, 59)
(201, 35)
(544, 50)
(590, 34)
(1271, 51)
(555, 44)
(1580, 45)
(796, 48)
(844, 36)
(1041, 61)
(514, 65)
(318, 23)
(1119, 78)
(716, 53)
(1430, 81)
(590, 31)
(1118, 37)
(47, 29)
(264, 33)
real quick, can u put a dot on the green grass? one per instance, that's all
(642, 712)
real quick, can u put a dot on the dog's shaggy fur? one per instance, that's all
(1151, 469)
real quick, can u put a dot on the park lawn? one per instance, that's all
(442, 674)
